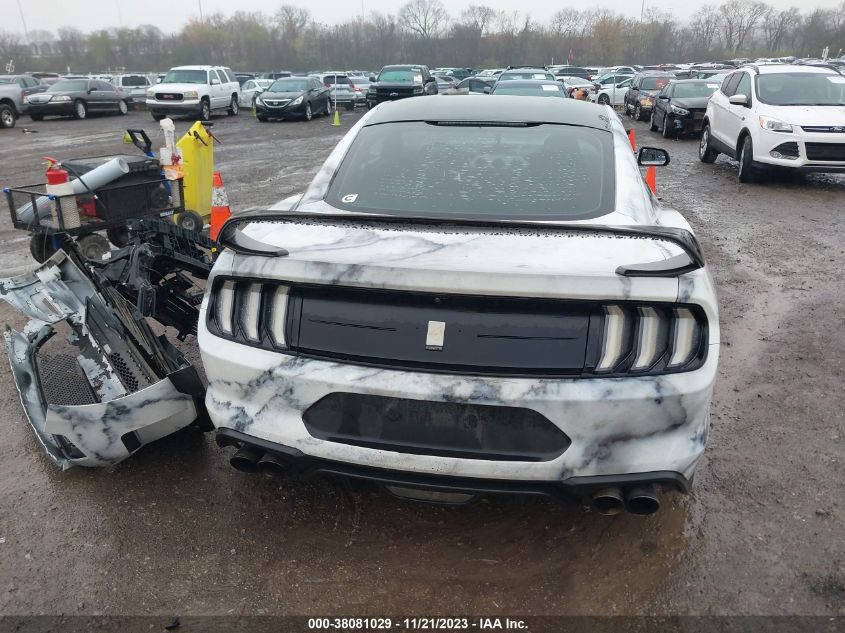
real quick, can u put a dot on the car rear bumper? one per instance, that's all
(299, 464)
(615, 426)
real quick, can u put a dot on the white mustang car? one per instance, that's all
(469, 298)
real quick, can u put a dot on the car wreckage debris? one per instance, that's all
(107, 385)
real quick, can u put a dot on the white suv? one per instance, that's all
(777, 115)
(195, 91)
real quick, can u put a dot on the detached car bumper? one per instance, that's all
(105, 386)
(425, 427)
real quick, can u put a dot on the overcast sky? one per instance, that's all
(170, 15)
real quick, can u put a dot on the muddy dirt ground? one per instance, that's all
(175, 530)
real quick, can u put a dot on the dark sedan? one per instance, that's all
(301, 97)
(77, 98)
(680, 106)
(640, 98)
(532, 88)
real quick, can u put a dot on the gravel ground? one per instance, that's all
(176, 531)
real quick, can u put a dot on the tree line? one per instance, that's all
(423, 31)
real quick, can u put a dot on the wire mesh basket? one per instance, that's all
(33, 209)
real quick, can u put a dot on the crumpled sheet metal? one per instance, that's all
(90, 434)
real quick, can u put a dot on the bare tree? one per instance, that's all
(777, 25)
(739, 18)
(478, 17)
(704, 31)
(426, 18)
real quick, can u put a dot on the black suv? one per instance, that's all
(399, 82)
(640, 98)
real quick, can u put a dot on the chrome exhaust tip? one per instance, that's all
(272, 465)
(642, 499)
(246, 459)
(608, 501)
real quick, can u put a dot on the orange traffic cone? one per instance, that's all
(220, 211)
(651, 178)
(632, 136)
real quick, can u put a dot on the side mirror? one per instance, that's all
(652, 157)
(663, 97)
(372, 79)
(487, 89)
(215, 82)
(738, 100)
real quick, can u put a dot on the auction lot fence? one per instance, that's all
(402, 623)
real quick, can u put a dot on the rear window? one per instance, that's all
(133, 80)
(512, 172)
(541, 90)
(335, 79)
(528, 74)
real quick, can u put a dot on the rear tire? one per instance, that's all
(706, 154)
(80, 109)
(93, 246)
(7, 116)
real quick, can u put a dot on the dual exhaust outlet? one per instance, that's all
(640, 499)
(254, 460)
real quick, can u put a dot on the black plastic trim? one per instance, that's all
(566, 490)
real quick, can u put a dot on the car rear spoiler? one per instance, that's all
(691, 259)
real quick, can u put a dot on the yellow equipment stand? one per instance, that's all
(197, 148)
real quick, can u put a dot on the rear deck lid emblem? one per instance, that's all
(435, 335)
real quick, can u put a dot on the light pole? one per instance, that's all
(23, 21)
(199, 2)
